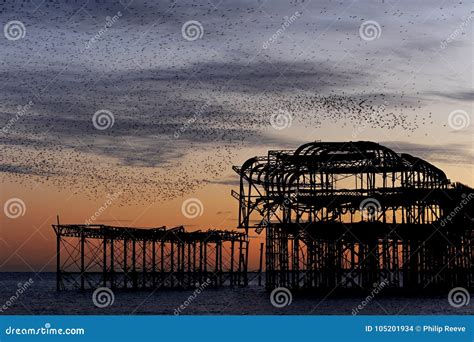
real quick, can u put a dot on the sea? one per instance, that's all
(35, 294)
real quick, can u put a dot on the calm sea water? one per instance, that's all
(41, 298)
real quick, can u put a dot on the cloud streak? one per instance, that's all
(174, 101)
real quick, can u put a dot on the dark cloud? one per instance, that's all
(155, 118)
(173, 100)
(451, 153)
(463, 95)
(23, 170)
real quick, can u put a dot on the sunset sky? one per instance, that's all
(191, 88)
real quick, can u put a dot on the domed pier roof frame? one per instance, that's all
(351, 213)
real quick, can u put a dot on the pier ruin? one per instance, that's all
(354, 214)
(335, 216)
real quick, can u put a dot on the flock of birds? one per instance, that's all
(180, 116)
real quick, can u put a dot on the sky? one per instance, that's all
(151, 104)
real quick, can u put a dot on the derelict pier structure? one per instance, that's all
(91, 256)
(336, 215)
(354, 214)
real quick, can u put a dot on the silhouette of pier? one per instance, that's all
(336, 215)
(355, 214)
(91, 256)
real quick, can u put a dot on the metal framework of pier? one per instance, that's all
(347, 215)
(354, 214)
(91, 256)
